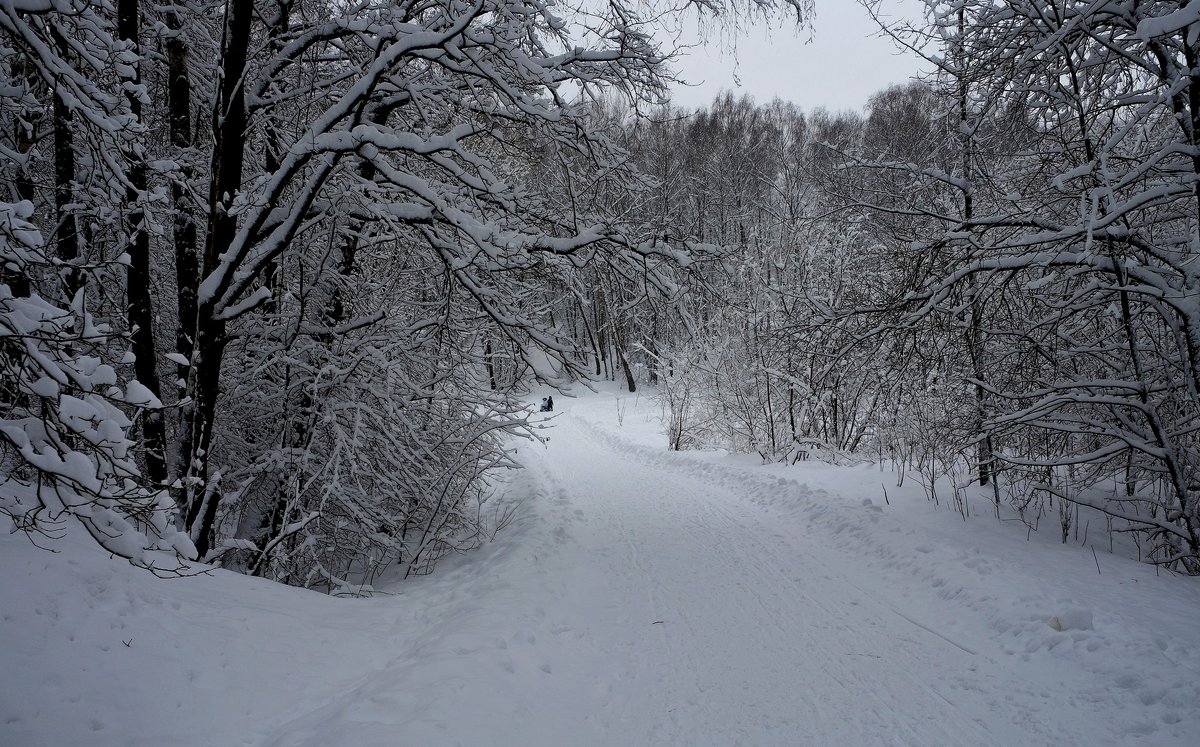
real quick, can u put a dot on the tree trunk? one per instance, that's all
(490, 363)
(204, 383)
(630, 383)
(24, 137)
(66, 233)
(140, 308)
(975, 330)
(183, 227)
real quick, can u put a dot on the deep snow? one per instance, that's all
(644, 597)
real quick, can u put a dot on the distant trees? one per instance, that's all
(751, 372)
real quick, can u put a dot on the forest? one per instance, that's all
(276, 275)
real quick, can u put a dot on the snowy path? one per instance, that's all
(653, 599)
(727, 630)
(645, 598)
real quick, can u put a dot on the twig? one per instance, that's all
(1097, 561)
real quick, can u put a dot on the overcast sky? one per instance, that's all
(844, 63)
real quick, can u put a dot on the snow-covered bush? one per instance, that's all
(65, 419)
(348, 459)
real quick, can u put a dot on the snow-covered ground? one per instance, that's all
(644, 597)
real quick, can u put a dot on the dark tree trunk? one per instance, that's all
(490, 363)
(66, 232)
(204, 384)
(620, 345)
(183, 228)
(24, 137)
(975, 332)
(630, 383)
(140, 310)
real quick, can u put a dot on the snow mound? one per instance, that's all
(1076, 619)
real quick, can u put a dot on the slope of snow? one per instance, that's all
(644, 597)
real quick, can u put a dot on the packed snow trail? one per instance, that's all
(644, 598)
(718, 629)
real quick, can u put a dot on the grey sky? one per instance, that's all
(841, 67)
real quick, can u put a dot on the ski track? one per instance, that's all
(672, 615)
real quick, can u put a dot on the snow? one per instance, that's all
(137, 394)
(642, 597)
(1149, 28)
(45, 387)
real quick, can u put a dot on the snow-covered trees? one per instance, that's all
(298, 257)
(1070, 270)
(326, 245)
(991, 273)
(751, 372)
